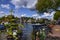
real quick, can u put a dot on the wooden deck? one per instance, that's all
(55, 31)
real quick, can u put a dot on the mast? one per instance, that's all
(11, 12)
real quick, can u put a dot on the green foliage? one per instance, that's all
(10, 31)
(26, 18)
(12, 24)
(41, 20)
(57, 15)
(44, 5)
(21, 25)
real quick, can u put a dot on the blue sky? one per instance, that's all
(18, 7)
(22, 8)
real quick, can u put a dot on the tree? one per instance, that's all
(57, 15)
(45, 5)
(41, 20)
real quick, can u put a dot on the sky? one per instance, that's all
(22, 8)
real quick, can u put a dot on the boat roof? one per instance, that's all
(1, 26)
(40, 24)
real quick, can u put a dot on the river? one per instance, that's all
(27, 31)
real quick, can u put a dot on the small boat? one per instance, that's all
(2, 27)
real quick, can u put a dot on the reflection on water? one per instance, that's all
(27, 31)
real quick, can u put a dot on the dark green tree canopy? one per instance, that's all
(44, 5)
(57, 15)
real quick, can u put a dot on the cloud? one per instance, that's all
(31, 3)
(48, 15)
(40, 16)
(24, 3)
(45, 15)
(1, 12)
(17, 3)
(23, 15)
(5, 6)
(34, 15)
